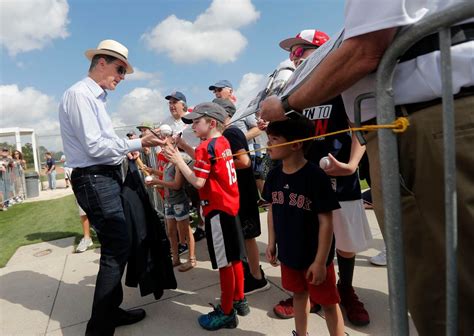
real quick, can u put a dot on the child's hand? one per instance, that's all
(316, 273)
(133, 155)
(148, 170)
(338, 168)
(149, 182)
(180, 142)
(171, 153)
(271, 255)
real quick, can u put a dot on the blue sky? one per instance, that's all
(184, 45)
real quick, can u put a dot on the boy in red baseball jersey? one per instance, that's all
(215, 177)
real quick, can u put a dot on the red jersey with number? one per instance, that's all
(214, 163)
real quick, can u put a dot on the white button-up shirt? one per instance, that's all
(416, 80)
(86, 128)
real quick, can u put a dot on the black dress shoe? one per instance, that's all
(129, 316)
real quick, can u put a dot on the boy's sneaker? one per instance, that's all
(242, 307)
(199, 234)
(284, 309)
(216, 319)
(182, 248)
(252, 285)
(380, 259)
(355, 311)
(84, 244)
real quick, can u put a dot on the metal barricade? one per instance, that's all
(440, 22)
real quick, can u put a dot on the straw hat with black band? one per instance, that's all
(111, 48)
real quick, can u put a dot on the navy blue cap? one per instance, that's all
(221, 84)
(176, 95)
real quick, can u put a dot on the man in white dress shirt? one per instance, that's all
(95, 153)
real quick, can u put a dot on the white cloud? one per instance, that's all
(250, 84)
(30, 108)
(142, 75)
(213, 36)
(139, 105)
(32, 24)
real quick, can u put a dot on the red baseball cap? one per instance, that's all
(306, 37)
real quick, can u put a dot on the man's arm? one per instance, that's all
(252, 133)
(176, 184)
(353, 60)
(242, 161)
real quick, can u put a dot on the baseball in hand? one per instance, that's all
(148, 178)
(325, 163)
(165, 130)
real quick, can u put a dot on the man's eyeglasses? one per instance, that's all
(121, 70)
(298, 52)
(218, 89)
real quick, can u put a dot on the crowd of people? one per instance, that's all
(315, 206)
(12, 178)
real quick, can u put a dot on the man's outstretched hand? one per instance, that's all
(151, 140)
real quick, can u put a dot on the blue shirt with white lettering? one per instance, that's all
(296, 200)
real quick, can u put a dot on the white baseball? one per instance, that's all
(325, 163)
(148, 178)
(165, 130)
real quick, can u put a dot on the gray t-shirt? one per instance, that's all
(172, 196)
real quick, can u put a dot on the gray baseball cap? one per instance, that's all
(228, 106)
(207, 109)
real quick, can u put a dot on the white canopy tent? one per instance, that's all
(18, 132)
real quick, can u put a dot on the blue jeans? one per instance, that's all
(52, 180)
(99, 195)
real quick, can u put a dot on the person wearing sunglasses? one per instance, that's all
(351, 229)
(223, 90)
(95, 153)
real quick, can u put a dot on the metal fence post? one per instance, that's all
(390, 168)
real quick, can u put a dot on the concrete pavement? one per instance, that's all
(46, 289)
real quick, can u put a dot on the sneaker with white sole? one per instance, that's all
(252, 285)
(380, 259)
(84, 244)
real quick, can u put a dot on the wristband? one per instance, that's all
(290, 112)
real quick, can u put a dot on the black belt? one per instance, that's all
(406, 109)
(459, 34)
(97, 169)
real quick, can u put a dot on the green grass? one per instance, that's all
(44, 178)
(30, 223)
(363, 184)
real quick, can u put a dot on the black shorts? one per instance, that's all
(250, 221)
(225, 241)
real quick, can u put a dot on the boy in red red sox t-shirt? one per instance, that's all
(215, 177)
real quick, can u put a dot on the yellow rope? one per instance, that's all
(398, 126)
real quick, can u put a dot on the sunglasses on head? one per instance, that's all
(298, 52)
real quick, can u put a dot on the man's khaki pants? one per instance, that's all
(422, 199)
